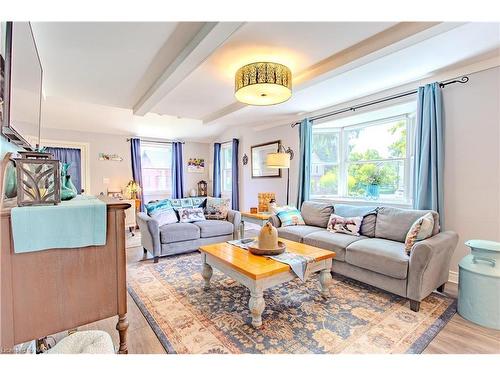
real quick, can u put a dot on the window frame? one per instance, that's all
(226, 193)
(343, 159)
(154, 193)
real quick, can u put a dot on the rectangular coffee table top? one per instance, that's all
(258, 267)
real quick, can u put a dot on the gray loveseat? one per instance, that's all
(378, 257)
(180, 238)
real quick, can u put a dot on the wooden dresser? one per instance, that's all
(45, 292)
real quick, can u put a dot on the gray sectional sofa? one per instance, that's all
(180, 238)
(378, 257)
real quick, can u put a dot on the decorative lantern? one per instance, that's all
(202, 188)
(38, 179)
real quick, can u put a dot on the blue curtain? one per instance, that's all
(135, 152)
(429, 151)
(217, 176)
(177, 171)
(74, 158)
(305, 137)
(235, 195)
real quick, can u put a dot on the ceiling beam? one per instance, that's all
(175, 62)
(381, 44)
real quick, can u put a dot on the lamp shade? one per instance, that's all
(263, 83)
(278, 160)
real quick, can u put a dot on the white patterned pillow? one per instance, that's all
(346, 225)
(217, 208)
(189, 215)
(420, 230)
(164, 216)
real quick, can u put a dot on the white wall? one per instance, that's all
(119, 173)
(250, 187)
(195, 150)
(472, 159)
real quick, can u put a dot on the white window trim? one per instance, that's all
(84, 154)
(225, 193)
(158, 192)
(343, 163)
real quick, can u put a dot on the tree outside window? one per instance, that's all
(366, 161)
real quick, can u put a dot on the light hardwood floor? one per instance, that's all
(459, 336)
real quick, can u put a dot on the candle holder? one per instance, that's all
(38, 179)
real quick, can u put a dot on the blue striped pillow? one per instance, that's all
(290, 217)
(164, 204)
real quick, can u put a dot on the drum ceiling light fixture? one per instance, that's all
(263, 83)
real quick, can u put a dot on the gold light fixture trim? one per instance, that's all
(263, 83)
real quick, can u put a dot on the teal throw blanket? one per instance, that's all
(79, 222)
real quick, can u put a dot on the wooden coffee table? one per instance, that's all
(258, 273)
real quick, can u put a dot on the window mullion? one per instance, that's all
(342, 166)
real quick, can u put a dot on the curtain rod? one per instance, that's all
(463, 79)
(155, 141)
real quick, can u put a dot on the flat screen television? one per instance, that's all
(22, 85)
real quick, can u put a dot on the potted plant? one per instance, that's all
(374, 179)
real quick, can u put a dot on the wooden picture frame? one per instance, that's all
(258, 155)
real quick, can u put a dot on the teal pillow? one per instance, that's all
(290, 217)
(164, 204)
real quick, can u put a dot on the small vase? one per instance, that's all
(10, 181)
(373, 191)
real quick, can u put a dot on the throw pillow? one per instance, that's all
(189, 215)
(217, 208)
(290, 216)
(346, 225)
(165, 216)
(420, 230)
(277, 209)
(152, 206)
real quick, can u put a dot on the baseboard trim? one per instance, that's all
(453, 277)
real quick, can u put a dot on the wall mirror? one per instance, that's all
(259, 155)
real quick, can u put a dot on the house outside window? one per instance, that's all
(156, 162)
(365, 157)
(226, 169)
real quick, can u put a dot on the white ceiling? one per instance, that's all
(98, 62)
(297, 45)
(113, 64)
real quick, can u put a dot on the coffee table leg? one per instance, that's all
(325, 279)
(207, 274)
(256, 306)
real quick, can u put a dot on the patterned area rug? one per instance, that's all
(357, 318)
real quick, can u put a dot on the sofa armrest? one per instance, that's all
(234, 217)
(150, 233)
(430, 264)
(275, 221)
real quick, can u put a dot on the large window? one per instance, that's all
(226, 166)
(156, 162)
(364, 157)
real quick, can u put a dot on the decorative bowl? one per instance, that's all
(256, 251)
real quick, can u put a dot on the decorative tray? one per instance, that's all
(256, 251)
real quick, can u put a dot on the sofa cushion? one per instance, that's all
(331, 241)
(369, 214)
(383, 256)
(297, 232)
(394, 223)
(368, 225)
(179, 232)
(214, 228)
(316, 213)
